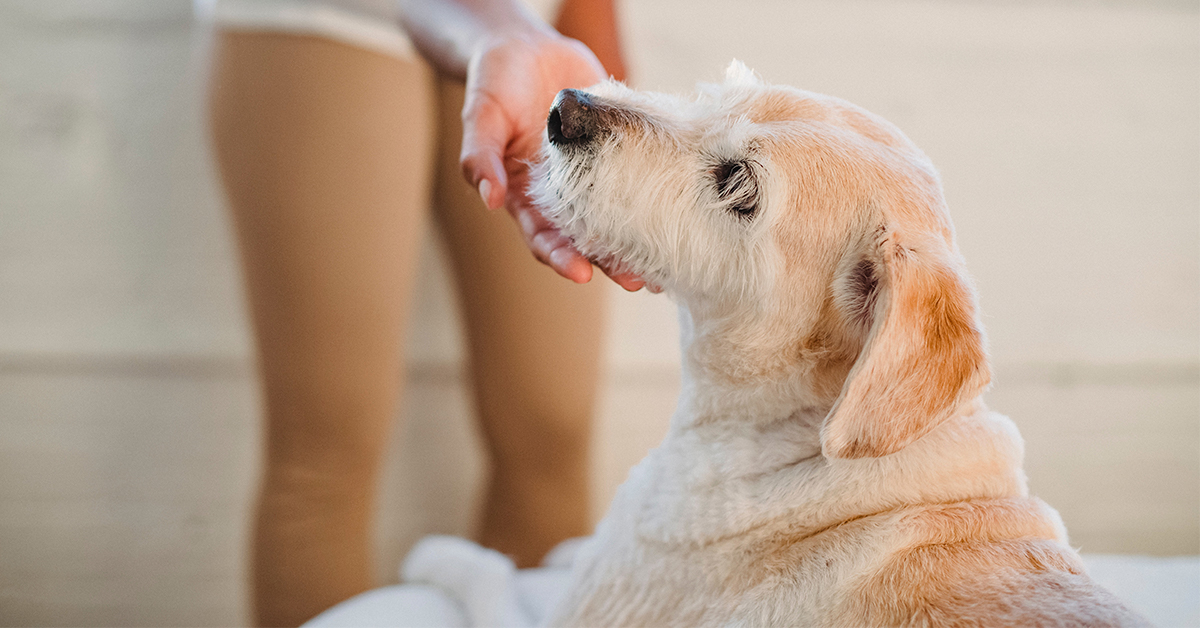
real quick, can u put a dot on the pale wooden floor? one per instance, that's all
(1065, 132)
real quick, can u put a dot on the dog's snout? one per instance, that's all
(573, 118)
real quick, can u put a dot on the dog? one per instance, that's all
(831, 461)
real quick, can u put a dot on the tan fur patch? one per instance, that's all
(1019, 582)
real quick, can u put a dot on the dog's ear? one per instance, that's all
(738, 73)
(924, 354)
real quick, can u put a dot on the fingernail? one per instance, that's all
(485, 192)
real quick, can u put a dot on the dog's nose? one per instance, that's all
(572, 118)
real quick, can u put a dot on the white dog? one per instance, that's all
(831, 462)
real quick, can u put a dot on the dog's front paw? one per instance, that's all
(479, 578)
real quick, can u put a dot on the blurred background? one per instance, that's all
(1067, 134)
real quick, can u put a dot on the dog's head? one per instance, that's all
(807, 238)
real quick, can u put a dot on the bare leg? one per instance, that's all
(535, 342)
(325, 150)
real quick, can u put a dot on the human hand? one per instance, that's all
(511, 82)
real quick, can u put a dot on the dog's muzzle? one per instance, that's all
(574, 119)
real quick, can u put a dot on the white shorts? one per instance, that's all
(370, 24)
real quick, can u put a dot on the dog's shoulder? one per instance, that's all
(1003, 561)
(1017, 582)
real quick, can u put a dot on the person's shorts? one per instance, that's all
(370, 24)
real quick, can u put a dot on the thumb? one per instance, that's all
(486, 135)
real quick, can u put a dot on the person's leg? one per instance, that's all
(535, 344)
(324, 150)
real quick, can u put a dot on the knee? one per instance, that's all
(295, 491)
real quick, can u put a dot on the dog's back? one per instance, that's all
(1021, 583)
(995, 562)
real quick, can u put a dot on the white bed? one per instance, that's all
(1164, 589)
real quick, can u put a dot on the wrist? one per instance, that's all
(452, 34)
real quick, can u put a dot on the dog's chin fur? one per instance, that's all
(831, 461)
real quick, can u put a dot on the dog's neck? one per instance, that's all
(755, 375)
(741, 455)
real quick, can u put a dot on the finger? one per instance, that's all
(533, 226)
(554, 249)
(543, 243)
(628, 281)
(486, 134)
(566, 261)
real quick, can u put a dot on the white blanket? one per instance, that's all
(1164, 589)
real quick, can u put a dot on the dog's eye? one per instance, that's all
(736, 187)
